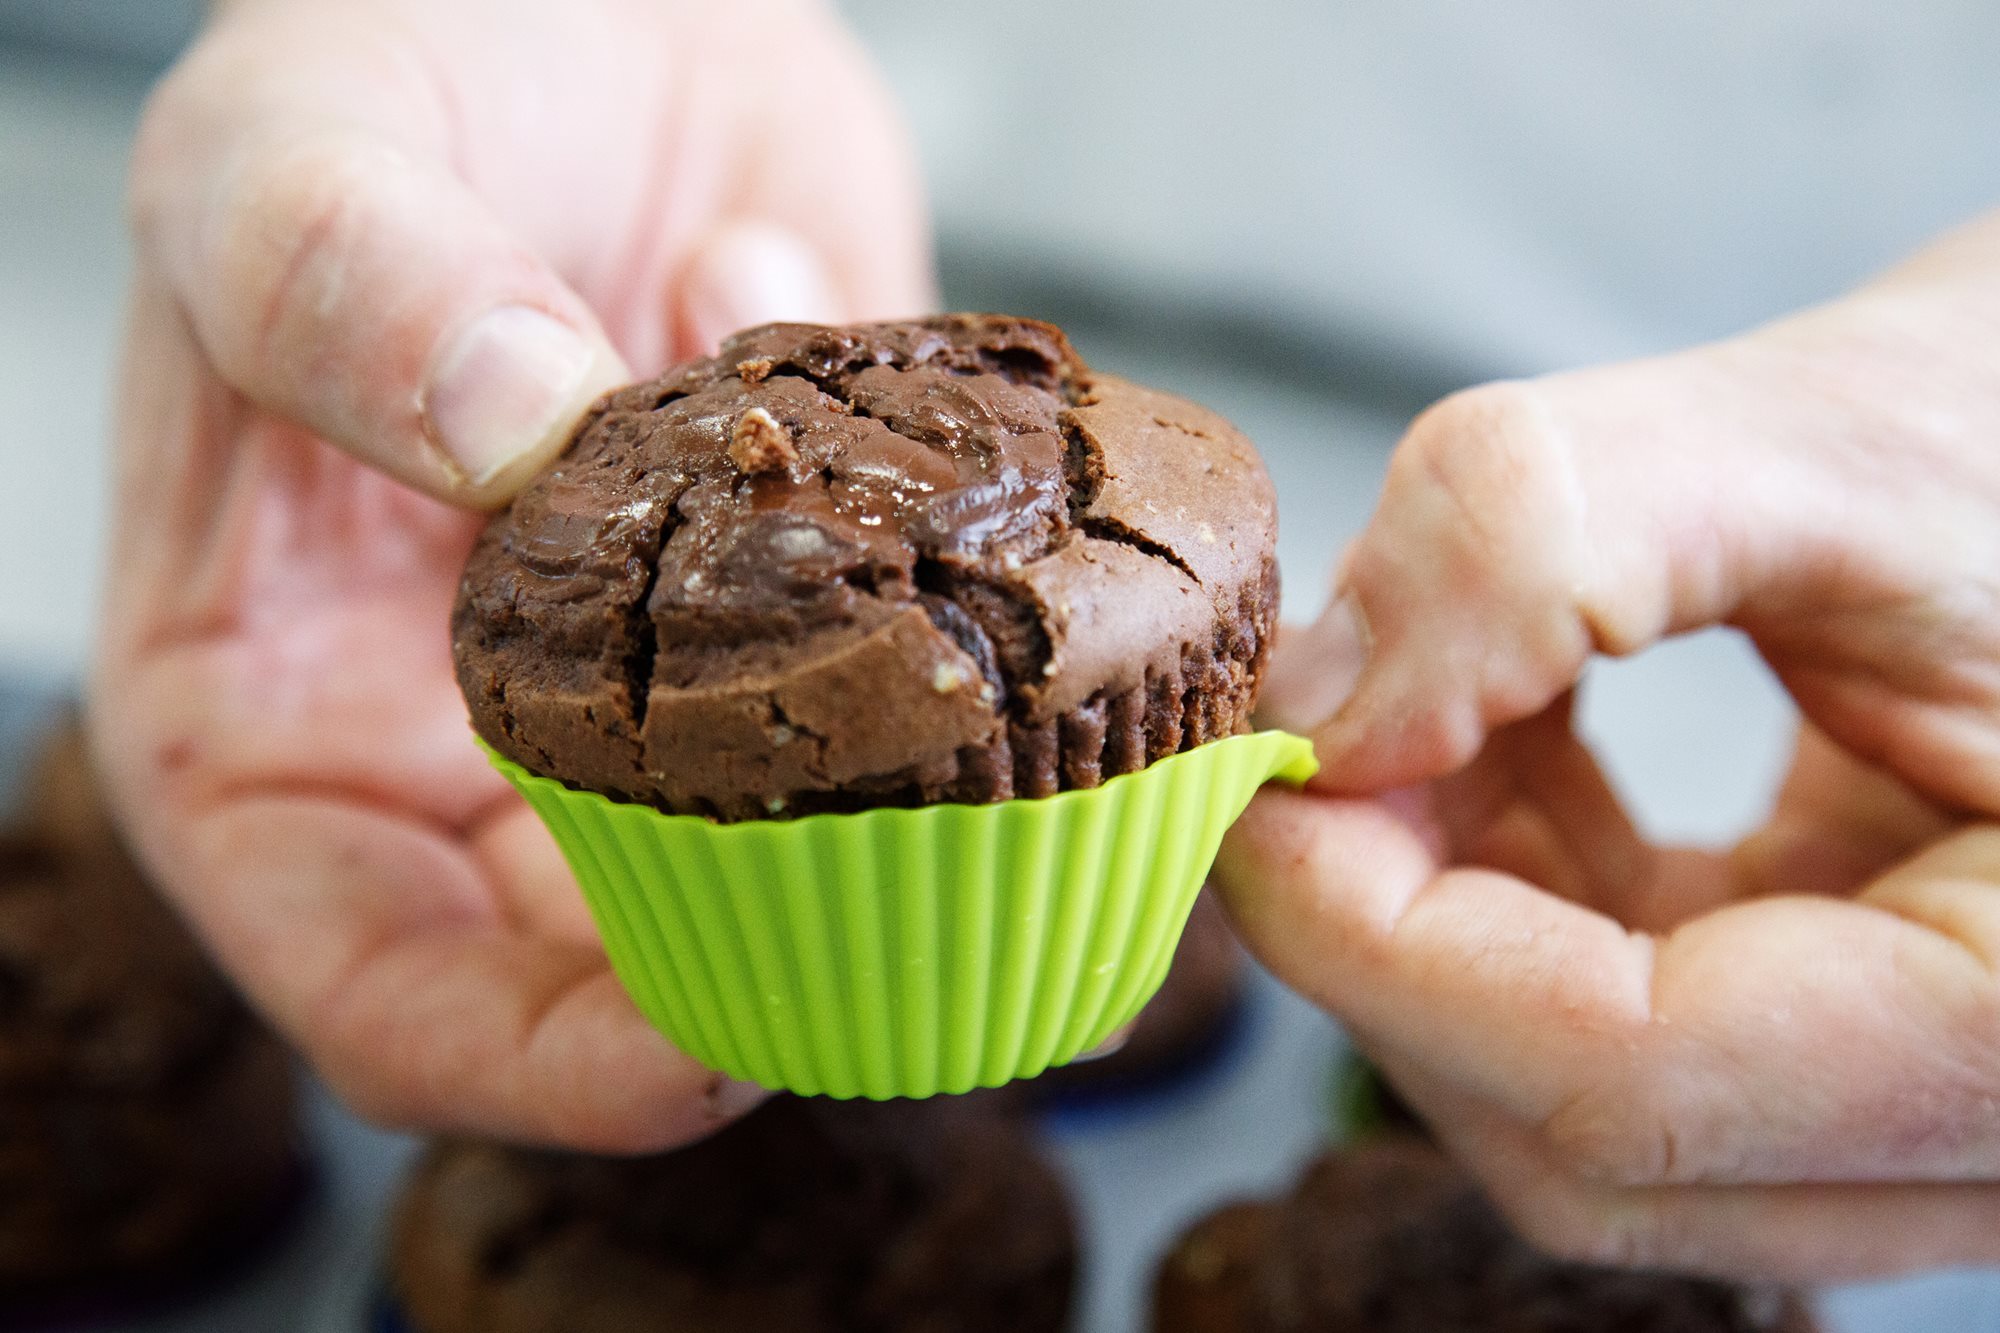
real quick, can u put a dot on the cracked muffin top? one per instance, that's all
(889, 564)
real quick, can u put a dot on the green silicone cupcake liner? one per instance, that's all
(907, 952)
(1362, 1105)
(1357, 1101)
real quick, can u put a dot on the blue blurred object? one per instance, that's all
(146, 32)
(386, 1316)
(28, 703)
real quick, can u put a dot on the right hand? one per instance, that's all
(388, 252)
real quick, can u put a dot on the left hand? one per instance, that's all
(1778, 1061)
(388, 251)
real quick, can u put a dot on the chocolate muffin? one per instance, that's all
(1187, 1024)
(146, 1119)
(809, 1216)
(891, 564)
(1391, 1236)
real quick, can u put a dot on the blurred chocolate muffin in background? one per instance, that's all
(148, 1128)
(1390, 1236)
(808, 1216)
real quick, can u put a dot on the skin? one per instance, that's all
(1781, 1059)
(324, 195)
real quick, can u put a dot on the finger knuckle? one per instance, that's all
(188, 110)
(1493, 480)
(1481, 524)
(158, 162)
(287, 229)
(1579, 1224)
(357, 1083)
(1624, 1140)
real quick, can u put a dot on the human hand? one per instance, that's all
(391, 239)
(1782, 1060)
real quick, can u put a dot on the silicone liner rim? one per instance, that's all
(1295, 771)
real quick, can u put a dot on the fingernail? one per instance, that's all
(755, 273)
(731, 1098)
(509, 382)
(1315, 668)
(1111, 1045)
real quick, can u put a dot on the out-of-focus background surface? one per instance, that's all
(1314, 215)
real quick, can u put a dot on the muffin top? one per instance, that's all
(843, 559)
(1392, 1236)
(807, 1215)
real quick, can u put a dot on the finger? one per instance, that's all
(1837, 824)
(1470, 970)
(861, 210)
(1315, 666)
(1521, 527)
(1785, 1233)
(1524, 527)
(338, 274)
(749, 273)
(1536, 805)
(1789, 1233)
(374, 942)
(539, 895)
(221, 637)
(1780, 1039)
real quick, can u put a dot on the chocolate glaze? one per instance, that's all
(886, 564)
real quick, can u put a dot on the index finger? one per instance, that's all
(1781, 1039)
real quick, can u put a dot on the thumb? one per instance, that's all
(746, 273)
(346, 284)
(1772, 482)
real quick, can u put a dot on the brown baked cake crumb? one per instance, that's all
(892, 564)
(757, 443)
